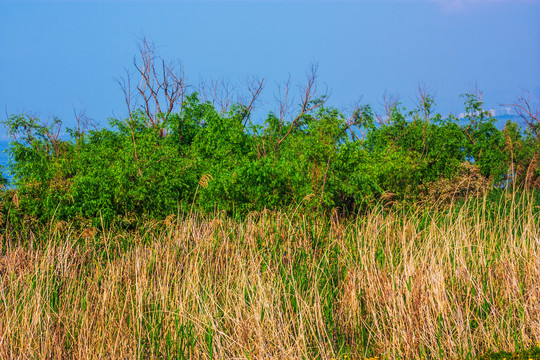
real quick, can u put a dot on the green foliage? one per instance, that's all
(532, 353)
(486, 143)
(202, 159)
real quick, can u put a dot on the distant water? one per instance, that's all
(4, 158)
(502, 119)
(4, 144)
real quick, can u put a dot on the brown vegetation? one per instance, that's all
(397, 285)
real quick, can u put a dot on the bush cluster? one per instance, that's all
(206, 160)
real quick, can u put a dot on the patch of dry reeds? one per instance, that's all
(449, 285)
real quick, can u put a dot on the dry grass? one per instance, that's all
(449, 285)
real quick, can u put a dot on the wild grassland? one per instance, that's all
(441, 284)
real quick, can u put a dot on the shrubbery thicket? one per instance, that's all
(203, 159)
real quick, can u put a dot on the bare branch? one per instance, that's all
(477, 92)
(125, 86)
(255, 87)
(83, 121)
(224, 93)
(528, 112)
(389, 102)
(283, 101)
(356, 115)
(309, 102)
(162, 86)
(424, 100)
(217, 92)
(309, 89)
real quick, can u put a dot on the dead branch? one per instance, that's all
(389, 102)
(354, 120)
(283, 101)
(83, 121)
(217, 92)
(224, 95)
(161, 90)
(528, 112)
(309, 102)
(255, 87)
(162, 86)
(424, 101)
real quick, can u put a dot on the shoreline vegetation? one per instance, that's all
(453, 284)
(188, 231)
(185, 148)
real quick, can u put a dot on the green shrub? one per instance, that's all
(133, 169)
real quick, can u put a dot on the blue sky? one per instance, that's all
(57, 56)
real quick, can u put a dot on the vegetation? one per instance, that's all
(211, 161)
(176, 152)
(189, 231)
(457, 284)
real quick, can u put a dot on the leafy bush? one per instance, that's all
(207, 160)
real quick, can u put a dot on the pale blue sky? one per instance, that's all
(58, 55)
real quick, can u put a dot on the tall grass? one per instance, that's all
(449, 284)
